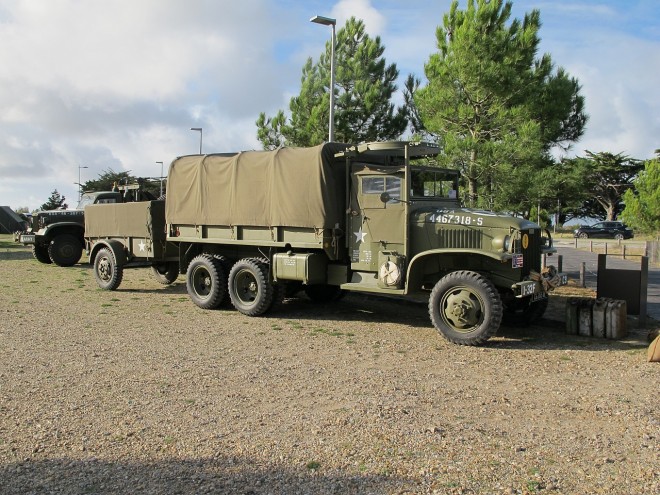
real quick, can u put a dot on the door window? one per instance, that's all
(379, 184)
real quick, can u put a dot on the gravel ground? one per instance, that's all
(140, 391)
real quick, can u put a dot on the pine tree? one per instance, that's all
(497, 108)
(364, 88)
(54, 202)
(642, 203)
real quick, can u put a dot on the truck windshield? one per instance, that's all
(434, 184)
(84, 201)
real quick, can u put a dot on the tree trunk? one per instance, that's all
(473, 182)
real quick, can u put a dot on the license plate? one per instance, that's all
(27, 239)
(527, 289)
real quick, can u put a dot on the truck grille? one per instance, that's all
(460, 238)
(532, 254)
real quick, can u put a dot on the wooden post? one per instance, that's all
(583, 282)
(560, 263)
(643, 291)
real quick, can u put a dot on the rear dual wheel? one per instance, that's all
(206, 281)
(250, 289)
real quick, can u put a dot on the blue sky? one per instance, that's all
(117, 84)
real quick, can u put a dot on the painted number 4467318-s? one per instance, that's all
(456, 219)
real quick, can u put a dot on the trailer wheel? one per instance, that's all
(65, 250)
(107, 272)
(206, 281)
(166, 273)
(465, 308)
(250, 291)
(40, 253)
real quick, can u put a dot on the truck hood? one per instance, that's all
(467, 217)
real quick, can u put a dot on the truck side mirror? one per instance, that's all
(385, 197)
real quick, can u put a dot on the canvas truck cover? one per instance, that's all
(290, 187)
(144, 219)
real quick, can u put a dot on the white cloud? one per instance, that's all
(374, 20)
(118, 83)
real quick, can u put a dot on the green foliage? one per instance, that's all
(642, 204)
(498, 109)
(364, 88)
(55, 201)
(606, 177)
(109, 179)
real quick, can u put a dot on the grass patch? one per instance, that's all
(313, 465)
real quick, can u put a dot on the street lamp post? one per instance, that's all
(200, 137)
(327, 21)
(79, 183)
(161, 177)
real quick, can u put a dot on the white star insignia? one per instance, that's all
(142, 245)
(359, 235)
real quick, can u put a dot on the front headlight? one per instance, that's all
(502, 243)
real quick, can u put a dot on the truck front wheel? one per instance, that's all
(65, 250)
(250, 291)
(465, 308)
(107, 272)
(40, 253)
(206, 281)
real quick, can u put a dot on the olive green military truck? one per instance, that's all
(246, 227)
(56, 236)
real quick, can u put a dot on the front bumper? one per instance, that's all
(540, 284)
(27, 238)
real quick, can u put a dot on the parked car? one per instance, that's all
(605, 230)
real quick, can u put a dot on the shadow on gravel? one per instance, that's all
(212, 475)
(546, 334)
(356, 308)
(549, 335)
(175, 288)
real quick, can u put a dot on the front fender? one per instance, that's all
(414, 271)
(117, 247)
(50, 231)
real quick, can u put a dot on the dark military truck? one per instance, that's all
(57, 236)
(335, 218)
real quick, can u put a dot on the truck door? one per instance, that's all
(377, 233)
